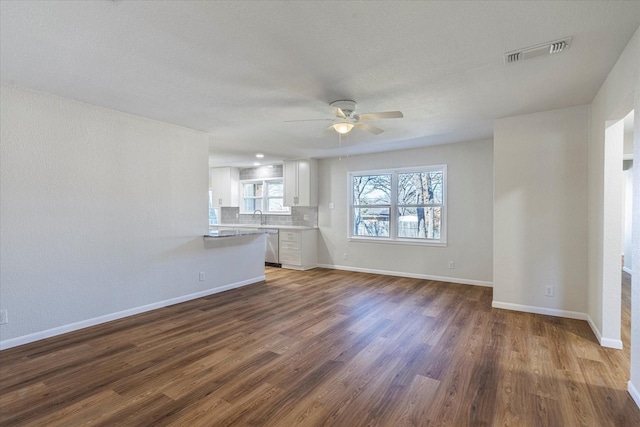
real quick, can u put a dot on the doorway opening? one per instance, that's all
(618, 309)
(627, 217)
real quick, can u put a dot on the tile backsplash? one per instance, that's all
(306, 216)
(261, 172)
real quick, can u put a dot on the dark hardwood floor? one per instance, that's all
(323, 347)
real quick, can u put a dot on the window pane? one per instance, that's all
(213, 216)
(371, 222)
(276, 205)
(248, 190)
(418, 188)
(372, 190)
(274, 189)
(419, 223)
(253, 190)
(251, 205)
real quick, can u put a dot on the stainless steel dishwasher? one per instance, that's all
(271, 256)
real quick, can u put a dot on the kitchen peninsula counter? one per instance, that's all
(261, 227)
(228, 232)
(290, 246)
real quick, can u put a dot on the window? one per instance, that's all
(264, 195)
(405, 205)
(214, 213)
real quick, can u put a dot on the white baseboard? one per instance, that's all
(410, 275)
(26, 339)
(604, 342)
(626, 270)
(633, 391)
(298, 267)
(539, 310)
(594, 329)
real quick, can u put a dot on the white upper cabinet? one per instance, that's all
(224, 183)
(301, 182)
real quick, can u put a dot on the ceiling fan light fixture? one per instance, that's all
(343, 127)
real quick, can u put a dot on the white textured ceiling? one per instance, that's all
(237, 70)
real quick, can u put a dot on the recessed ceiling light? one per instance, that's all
(256, 164)
(260, 155)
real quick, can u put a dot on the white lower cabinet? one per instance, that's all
(298, 249)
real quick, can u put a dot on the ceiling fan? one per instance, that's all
(346, 118)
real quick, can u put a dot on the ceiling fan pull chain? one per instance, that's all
(346, 147)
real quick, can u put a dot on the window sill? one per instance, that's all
(407, 242)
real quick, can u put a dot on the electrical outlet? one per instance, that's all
(201, 276)
(451, 265)
(345, 256)
(548, 291)
(306, 217)
(3, 317)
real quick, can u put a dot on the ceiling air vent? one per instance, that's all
(549, 48)
(512, 57)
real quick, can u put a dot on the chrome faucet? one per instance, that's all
(261, 216)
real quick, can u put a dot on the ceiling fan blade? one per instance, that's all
(367, 127)
(309, 120)
(381, 115)
(339, 113)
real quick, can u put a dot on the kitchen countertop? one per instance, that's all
(268, 226)
(229, 232)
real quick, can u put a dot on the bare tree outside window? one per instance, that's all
(419, 204)
(399, 204)
(372, 205)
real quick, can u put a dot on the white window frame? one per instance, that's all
(393, 207)
(265, 198)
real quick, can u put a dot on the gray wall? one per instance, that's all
(540, 211)
(101, 215)
(469, 216)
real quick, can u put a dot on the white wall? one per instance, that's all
(101, 213)
(628, 134)
(613, 101)
(619, 94)
(469, 216)
(540, 221)
(634, 382)
(628, 217)
(627, 190)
